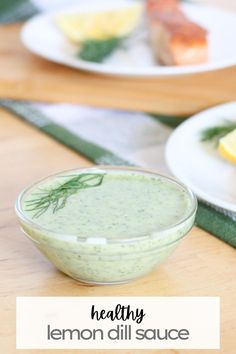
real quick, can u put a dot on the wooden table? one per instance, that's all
(201, 266)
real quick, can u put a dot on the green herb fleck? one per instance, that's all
(214, 134)
(97, 50)
(56, 198)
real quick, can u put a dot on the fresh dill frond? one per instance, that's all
(56, 198)
(214, 134)
(97, 50)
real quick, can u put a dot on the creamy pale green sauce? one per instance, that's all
(113, 232)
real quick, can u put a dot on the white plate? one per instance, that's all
(198, 164)
(41, 36)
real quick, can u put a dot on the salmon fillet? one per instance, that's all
(175, 39)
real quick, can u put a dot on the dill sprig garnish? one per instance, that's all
(56, 198)
(97, 50)
(214, 134)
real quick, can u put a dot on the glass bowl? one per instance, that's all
(104, 260)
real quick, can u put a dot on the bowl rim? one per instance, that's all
(21, 214)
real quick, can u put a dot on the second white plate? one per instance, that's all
(198, 164)
(41, 36)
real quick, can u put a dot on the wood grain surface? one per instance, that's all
(25, 76)
(201, 266)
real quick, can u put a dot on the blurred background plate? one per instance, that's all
(41, 36)
(198, 164)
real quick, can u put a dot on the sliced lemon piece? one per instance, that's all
(100, 25)
(227, 146)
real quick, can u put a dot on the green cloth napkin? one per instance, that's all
(217, 222)
(16, 10)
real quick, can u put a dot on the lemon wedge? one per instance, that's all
(99, 25)
(227, 146)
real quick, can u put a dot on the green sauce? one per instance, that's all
(113, 232)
